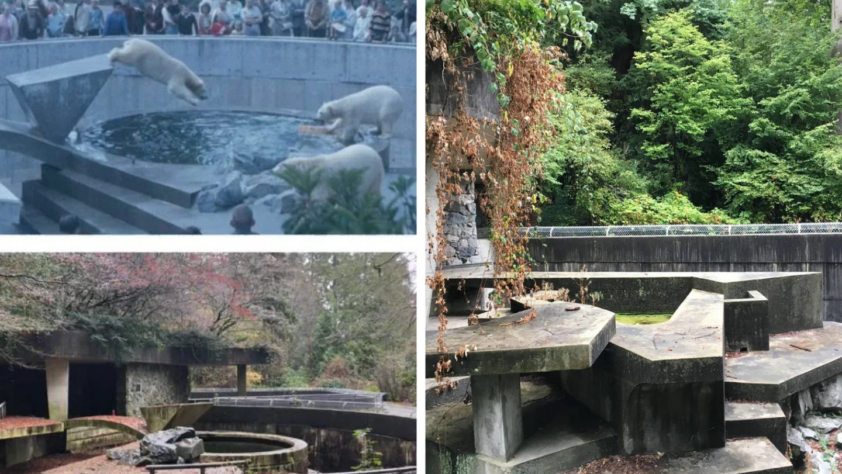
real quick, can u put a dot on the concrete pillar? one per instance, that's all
(498, 421)
(58, 388)
(242, 382)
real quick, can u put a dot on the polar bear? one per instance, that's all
(353, 157)
(154, 63)
(378, 105)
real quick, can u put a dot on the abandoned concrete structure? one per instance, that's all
(715, 387)
(66, 378)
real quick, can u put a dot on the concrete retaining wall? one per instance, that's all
(240, 73)
(739, 253)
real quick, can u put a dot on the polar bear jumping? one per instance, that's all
(378, 105)
(353, 157)
(154, 63)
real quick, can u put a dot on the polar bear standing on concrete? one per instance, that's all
(350, 158)
(154, 63)
(378, 105)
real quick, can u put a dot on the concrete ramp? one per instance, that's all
(55, 98)
(164, 417)
(9, 214)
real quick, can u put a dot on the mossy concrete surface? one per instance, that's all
(562, 336)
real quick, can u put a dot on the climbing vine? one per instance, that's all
(515, 44)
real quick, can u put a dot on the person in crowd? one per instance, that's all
(299, 26)
(222, 21)
(69, 224)
(406, 17)
(32, 24)
(242, 220)
(235, 8)
(134, 16)
(153, 17)
(187, 25)
(265, 30)
(362, 28)
(350, 19)
(337, 21)
(316, 17)
(18, 10)
(282, 25)
(205, 20)
(55, 22)
(252, 18)
(381, 23)
(171, 13)
(97, 19)
(81, 17)
(116, 23)
(413, 30)
(8, 23)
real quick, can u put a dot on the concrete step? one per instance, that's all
(756, 420)
(54, 205)
(32, 221)
(795, 361)
(741, 456)
(139, 210)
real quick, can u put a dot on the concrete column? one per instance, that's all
(242, 382)
(498, 421)
(58, 388)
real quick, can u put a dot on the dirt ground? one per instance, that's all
(94, 463)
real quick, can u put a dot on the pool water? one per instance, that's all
(642, 318)
(205, 137)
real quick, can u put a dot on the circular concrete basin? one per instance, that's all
(262, 451)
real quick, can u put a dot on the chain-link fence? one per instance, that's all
(665, 230)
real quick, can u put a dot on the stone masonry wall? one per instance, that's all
(460, 227)
(146, 384)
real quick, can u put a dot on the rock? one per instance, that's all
(808, 433)
(289, 201)
(222, 197)
(798, 445)
(827, 396)
(822, 424)
(256, 163)
(190, 449)
(819, 465)
(161, 453)
(125, 457)
(262, 185)
(170, 436)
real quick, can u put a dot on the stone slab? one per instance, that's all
(756, 420)
(556, 339)
(794, 362)
(54, 98)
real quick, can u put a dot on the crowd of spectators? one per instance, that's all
(346, 20)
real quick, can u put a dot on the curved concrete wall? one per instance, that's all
(240, 73)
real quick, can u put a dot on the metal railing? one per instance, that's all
(338, 399)
(678, 230)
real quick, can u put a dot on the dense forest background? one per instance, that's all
(699, 111)
(329, 320)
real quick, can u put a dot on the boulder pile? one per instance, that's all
(175, 446)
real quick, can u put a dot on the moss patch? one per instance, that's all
(642, 318)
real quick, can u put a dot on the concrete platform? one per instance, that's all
(13, 427)
(563, 336)
(661, 385)
(558, 434)
(756, 420)
(793, 363)
(10, 207)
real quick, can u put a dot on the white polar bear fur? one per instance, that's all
(378, 105)
(154, 63)
(349, 158)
